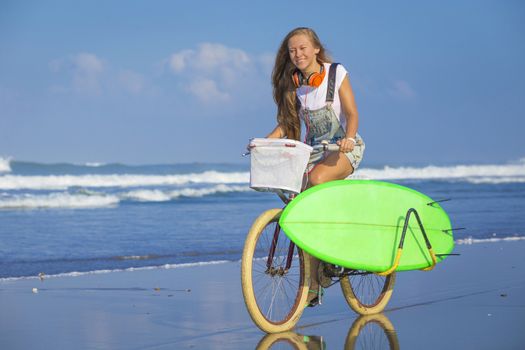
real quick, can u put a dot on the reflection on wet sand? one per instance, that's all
(367, 332)
(291, 340)
(372, 332)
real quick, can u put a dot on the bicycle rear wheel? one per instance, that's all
(367, 293)
(372, 331)
(274, 296)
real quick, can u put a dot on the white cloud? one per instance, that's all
(85, 69)
(216, 56)
(178, 61)
(207, 91)
(88, 63)
(88, 74)
(210, 72)
(214, 72)
(209, 57)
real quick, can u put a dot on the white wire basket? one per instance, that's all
(278, 164)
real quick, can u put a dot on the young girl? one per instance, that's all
(307, 87)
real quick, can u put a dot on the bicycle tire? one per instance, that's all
(287, 292)
(367, 293)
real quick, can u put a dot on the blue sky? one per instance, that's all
(170, 81)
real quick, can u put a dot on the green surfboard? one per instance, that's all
(358, 224)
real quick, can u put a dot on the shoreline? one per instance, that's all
(458, 242)
(470, 301)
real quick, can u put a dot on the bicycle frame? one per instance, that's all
(275, 238)
(271, 253)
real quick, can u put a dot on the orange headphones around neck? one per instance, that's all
(315, 79)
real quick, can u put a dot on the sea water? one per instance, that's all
(67, 219)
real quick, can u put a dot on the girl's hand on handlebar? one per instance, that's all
(346, 145)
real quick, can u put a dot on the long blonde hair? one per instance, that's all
(284, 92)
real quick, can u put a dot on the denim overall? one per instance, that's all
(323, 124)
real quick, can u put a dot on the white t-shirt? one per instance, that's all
(315, 98)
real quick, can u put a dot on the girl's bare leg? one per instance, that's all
(334, 167)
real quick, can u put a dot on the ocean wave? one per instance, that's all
(148, 196)
(61, 182)
(471, 240)
(94, 164)
(58, 200)
(496, 180)
(129, 269)
(84, 199)
(5, 164)
(163, 196)
(477, 174)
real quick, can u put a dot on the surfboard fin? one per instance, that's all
(454, 229)
(449, 254)
(439, 201)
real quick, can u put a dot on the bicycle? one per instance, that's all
(275, 273)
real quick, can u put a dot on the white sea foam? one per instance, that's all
(147, 196)
(94, 164)
(130, 269)
(163, 196)
(471, 240)
(490, 174)
(477, 174)
(189, 192)
(496, 180)
(58, 200)
(5, 165)
(92, 199)
(57, 182)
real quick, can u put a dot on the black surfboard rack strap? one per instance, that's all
(400, 247)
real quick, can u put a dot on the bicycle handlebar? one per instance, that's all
(324, 146)
(327, 147)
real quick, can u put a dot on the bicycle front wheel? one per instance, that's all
(275, 295)
(367, 293)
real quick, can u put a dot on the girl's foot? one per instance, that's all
(315, 297)
(322, 277)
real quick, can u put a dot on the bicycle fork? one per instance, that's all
(271, 254)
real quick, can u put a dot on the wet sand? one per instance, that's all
(472, 301)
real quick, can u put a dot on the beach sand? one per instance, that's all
(472, 301)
